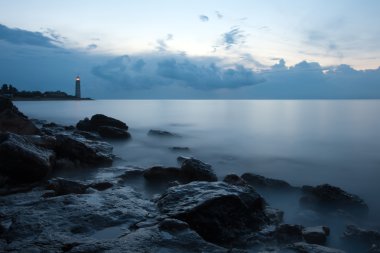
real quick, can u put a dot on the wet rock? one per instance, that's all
(159, 174)
(274, 215)
(263, 182)
(180, 149)
(219, 212)
(86, 152)
(113, 132)
(23, 161)
(99, 120)
(196, 170)
(101, 186)
(288, 233)
(234, 180)
(330, 198)
(316, 235)
(161, 133)
(173, 225)
(366, 238)
(131, 172)
(88, 135)
(62, 186)
(12, 120)
(303, 247)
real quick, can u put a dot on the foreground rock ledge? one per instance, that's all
(219, 212)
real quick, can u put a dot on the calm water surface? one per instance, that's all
(303, 141)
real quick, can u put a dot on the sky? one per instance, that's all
(193, 49)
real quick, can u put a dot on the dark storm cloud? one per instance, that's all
(23, 37)
(203, 18)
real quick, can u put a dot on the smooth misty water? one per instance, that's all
(302, 142)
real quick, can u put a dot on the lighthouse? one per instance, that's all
(77, 87)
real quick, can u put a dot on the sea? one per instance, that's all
(305, 142)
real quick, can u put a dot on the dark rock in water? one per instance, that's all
(23, 161)
(62, 186)
(131, 172)
(365, 238)
(274, 215)
(161, 133)
(113, 132)
(159, 173)
(86, 152)
(288, 233)
(263, 182)
(196, 170)
(88, 135)
(101, 186)
(330, 198)
(316, 235)
(234, 180)
(99, 120)
(180, 149)
(219, 212)
(303, 247)
(12, 120)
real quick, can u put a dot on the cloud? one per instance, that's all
(232, 38)
(92, 47)
(203, 18)
(218, 15)
(23, 37)
(162, 45)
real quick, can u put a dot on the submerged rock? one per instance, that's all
(330, 198)
(289, 233)
(12, 120)
(62, 186)
(161, 133)
(219, 212)
(234, 180)
(22, 161)
(263, 182)
(316, 235)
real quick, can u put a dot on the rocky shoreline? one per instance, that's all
(191, 212)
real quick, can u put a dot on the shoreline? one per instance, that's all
(51, 99)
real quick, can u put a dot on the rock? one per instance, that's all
(219, 212)
(366, 238)
(196, 170)
(180, 149)
(161, 133)
(173, 225)
(274, 215)
(12, 120)
(22, 161)
(99, 120)
(62, 186)
(101, 186)
(287, 233)
(167, 174)
(234, 180)
(88, 135)
(263, 182)
(131, 172)
(316, 235)
(113, 132)
(86, 152)
(330, 198)
(303, 247)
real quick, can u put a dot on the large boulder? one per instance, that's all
(330, 198)
(83, 151)
(12, 120)
(113, 132)
(221, 213)
(263, 182)
(21, 160)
